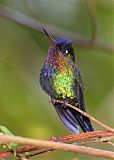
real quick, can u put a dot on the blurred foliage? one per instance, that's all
(24, 107)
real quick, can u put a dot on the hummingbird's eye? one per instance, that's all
(66, 51)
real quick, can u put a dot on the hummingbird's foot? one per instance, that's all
(55, 139)
(53, 101)
(64, 104)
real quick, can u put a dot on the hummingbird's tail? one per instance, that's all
(84, 122)
(72, 119)
(67, 117)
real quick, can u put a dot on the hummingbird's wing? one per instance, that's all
(83, 121)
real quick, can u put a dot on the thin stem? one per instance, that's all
(37, 152)
(36, 25)
(69, 138)
(112, 144)
(93, 18)
(57, 146)
(87, 115)
(21, 157)
(102, 139)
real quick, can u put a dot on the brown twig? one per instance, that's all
(87, 115)
(37, 152)
(106, 134)
(69, 138)
(37, 25)
(57, 146)
(106, 139)
(96, 140)
(21, 157)
(86, 135)
(92, 14)
(112, 144)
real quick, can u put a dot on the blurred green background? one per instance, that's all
(24, 107)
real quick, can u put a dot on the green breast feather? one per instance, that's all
(63, 84)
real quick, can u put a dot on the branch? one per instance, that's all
(105, 135)
(21, 157)
(109, 142)
(102, 139)
(93, 18)
(37, 26)
(85, 114)
(57, 146)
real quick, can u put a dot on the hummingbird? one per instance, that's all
(61, 79)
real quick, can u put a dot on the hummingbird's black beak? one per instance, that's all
(49, 37)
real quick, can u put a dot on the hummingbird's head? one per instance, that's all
(64, 45)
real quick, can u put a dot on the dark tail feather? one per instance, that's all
(67, 117)
(84, 123)
(87, 123)
(72, 119)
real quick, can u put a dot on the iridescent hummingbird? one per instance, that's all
(61, 79)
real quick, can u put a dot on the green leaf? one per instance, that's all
(5, 131)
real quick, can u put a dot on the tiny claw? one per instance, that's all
(54, 139)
